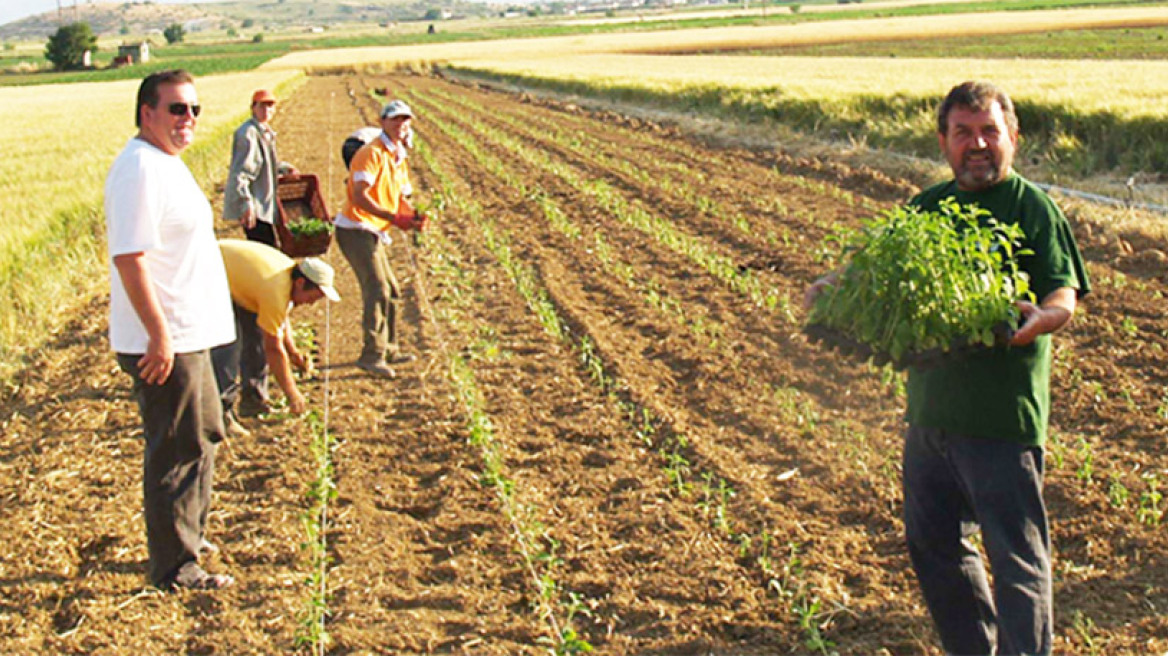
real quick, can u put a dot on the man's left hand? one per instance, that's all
(1037, 320)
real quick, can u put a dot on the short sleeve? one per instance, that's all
(133, 207)
(1056, 261)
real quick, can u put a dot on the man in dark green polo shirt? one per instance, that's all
(973, 454)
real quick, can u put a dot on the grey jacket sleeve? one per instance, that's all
(247, 168)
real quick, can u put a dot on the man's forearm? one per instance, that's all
(140, 290)
(1058, 308)
(279, 364)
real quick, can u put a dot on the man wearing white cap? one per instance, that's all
(265, 286)
(378, 193)
(249, 195)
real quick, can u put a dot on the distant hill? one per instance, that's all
(109, 19)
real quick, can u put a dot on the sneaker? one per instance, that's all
(377, 369)
(253, 407)
(233, 427)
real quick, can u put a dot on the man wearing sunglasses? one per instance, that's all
(250, 193)
(169, 305)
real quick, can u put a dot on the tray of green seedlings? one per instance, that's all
(919, 288)
(303, 225)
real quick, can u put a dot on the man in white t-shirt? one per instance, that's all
(169, 304)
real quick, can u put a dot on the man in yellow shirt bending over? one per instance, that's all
(265, 285)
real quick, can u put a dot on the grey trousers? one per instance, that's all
(953, 485)
(379, 291)
(264, 233)
(241, 367)
(183, 422)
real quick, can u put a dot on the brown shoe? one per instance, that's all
(379, 369)
(249, 407)
(401, 357)
(192, 577)
(233, 428)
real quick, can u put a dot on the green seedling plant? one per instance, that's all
(322, 491)
(1151, 510)
(916, 281)
(310, 227)
(1117, 493)
(1086, 470)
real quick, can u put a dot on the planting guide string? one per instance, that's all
(444, 350)
(319, 646)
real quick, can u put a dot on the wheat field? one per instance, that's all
(57, 144)
(1124, 88)
(727, 38)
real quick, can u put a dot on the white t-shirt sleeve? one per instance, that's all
(133, 208)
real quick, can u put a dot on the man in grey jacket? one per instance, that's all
(250, 192)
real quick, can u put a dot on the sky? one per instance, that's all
(11, 10)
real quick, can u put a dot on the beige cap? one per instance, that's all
(319, 272)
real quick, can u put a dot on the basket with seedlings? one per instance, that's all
(303, 225)
(919, 288)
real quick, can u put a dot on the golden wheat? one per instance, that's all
(59, 140)
(728, 38)
(57, 144)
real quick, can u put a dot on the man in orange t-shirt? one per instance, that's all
(378, 194)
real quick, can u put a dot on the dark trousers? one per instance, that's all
(953, 485)
(183, 422)
(379, 289)
(264, 233)
(241, 367)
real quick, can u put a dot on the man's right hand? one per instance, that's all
(403, 222)
(817, 287)
(247, 219)
(155, 366)
(296, 403)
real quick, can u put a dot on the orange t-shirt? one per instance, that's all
(388, 177)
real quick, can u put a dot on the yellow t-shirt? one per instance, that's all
(260, 278)
(377, 164)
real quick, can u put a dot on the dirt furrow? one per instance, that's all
(416, 536)
(747, 444)
(625, 540)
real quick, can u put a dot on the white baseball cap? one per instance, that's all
(396, 108)
(320, 273)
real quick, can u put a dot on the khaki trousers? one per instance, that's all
(379, 291)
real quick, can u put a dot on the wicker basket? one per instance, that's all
(298, 197)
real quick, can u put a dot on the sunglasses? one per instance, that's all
(181, 109)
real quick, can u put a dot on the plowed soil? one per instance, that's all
(699, 478)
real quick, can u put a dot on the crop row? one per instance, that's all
(711, 493)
